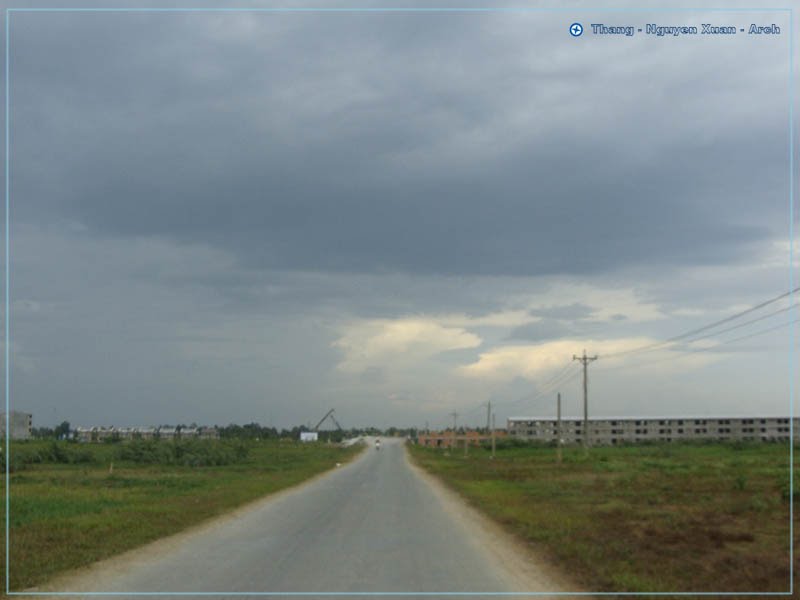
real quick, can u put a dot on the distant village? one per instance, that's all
(21, 428)
(601, 431)
(102, 434)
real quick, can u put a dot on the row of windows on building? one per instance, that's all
(698, 430)
(605, 431)
(641, 422)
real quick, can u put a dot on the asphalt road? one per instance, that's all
(373, 525)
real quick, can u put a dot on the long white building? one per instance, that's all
(619, 430)
(99, 434)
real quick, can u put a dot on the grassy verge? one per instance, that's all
(639, 519)
(68, 509)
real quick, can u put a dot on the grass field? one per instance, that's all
(68, 509)
(662, 518)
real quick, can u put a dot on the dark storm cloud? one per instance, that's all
(438, 144)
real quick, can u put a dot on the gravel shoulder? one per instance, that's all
(510, 557)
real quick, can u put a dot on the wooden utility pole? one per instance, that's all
(585, 360)
(493, 444)
(488, 415)
(454, 414)
(558, 426)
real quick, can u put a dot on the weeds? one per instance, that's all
(188, 453)
(684, 517)
(67, 495)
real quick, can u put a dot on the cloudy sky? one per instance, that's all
(238, 216)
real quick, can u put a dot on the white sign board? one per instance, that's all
(308, 436)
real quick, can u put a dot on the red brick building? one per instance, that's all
(446, 439)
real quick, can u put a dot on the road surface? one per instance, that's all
(374, 525)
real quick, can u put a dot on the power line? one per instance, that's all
(747, 337)
(697, 350)
(566, 368)
(740, 325)
(693, 332)
(472, 410)
(560, 378)
(544, 387)
(547, 391)
(552, 388)
(728, 329)
(563, 376)
(555, 381)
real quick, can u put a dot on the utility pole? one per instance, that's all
(493, 446)
(585, 360)
(558, 426)
(488, 414)
(455, 416)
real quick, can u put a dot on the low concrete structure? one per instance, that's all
(624, 430)
(20, 425)
(446, 439)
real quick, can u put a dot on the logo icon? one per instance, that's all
(576, 29)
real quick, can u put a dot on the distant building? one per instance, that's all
(309, 436)
(96, 434)
(83, 434)
(122, 433)
(208, 433)
(20, 424)
(99, 434)
(626, 430)
(167, 433)
(446, 439)
(144, 433)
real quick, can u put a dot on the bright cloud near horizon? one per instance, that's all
(382, 343)
(234, 217)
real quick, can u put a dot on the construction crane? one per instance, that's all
(322, 420)
(336, 422)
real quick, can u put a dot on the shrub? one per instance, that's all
(190, 453)
(54, 452)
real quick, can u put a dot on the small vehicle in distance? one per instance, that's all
(377, 444)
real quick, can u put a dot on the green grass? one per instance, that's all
(69, 514)
(649, 518)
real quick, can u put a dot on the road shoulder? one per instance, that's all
(527, 570)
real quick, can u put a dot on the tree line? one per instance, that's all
(252, 431)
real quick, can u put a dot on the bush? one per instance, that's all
(512, 442)
(189, 453)
(54, 452)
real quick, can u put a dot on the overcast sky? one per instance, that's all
(235, 217)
